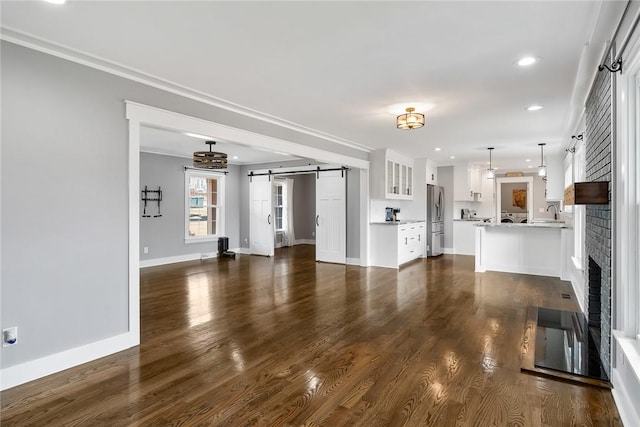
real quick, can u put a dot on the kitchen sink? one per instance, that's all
(547, 220)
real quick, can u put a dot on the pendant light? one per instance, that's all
(490, 172)
(542, 169)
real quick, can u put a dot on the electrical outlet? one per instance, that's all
(9, 336)
(145, 249)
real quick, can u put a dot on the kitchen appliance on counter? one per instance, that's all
(391, 214)
(435, 220)
(465, 214)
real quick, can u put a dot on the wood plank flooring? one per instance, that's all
(286, 341)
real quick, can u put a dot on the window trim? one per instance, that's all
(579, 212)
(282, 185)
(220, 206)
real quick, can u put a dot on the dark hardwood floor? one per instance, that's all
(285, 341)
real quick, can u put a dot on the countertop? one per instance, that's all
(403, 222)
(524, 225)
(474, 219)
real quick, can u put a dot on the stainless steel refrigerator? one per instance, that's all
(435, 220)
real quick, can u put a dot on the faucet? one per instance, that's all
(555, 209)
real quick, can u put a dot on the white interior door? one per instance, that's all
(261, 229)
(331, 217)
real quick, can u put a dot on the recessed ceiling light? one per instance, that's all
(234, 157)
(56, 1)
(452, 157)
(528, 160)
(527, 61)
(437, 149)
(529, 166)
(534, 107)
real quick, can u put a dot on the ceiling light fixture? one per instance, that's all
(527, 61)
(56, 1)
(209, 159)
(437, 149)
(542, 169)
(452, 157)
(410, 120)
(490, 172)
(534, 108)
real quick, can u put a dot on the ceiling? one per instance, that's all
(338, 67)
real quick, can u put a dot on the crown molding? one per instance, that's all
(92, 61)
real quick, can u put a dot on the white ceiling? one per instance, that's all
(336, 67)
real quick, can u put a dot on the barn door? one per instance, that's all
(261, 229)
(331, 217)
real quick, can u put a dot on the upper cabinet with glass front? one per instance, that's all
(391, 175)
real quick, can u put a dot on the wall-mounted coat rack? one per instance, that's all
(151, 196)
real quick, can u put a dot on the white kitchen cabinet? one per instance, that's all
(432, 172)
(391, 175)
(467, 183)
(395, 244)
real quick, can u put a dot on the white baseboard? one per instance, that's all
(305, 242)
(34, 369)
(353, 261)
(448, 251)
(171, 260)
(245, 251)
(625, 402)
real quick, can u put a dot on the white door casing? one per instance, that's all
(261, 228)
(331, 217)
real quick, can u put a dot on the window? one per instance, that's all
(579, 211)
(204, 205)
(279, 205)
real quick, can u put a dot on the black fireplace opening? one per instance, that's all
(594, 309)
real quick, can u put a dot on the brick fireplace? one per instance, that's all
(597, 275)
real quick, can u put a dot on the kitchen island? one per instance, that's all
(535, 248)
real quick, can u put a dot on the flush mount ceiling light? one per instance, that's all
(410, 120)
(534, 108)
(542, 169)
(209, 159)
(527, 61)
(490, 172)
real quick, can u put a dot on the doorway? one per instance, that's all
(514, 199)
(273, 215)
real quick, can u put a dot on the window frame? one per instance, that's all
(279, 185)
(579, 211)
(220, 205)
(626, 198)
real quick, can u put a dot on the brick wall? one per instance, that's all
(598, 217)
